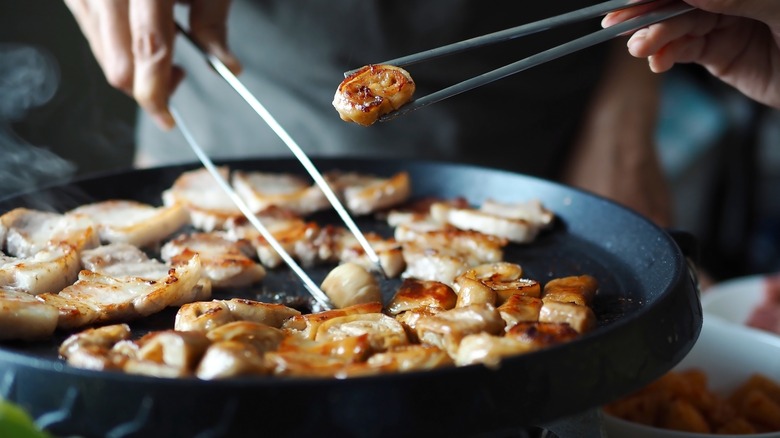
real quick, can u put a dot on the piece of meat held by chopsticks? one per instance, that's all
(99, 299)
(519, 222)
(42, 249)
(227, 263)
(199, 194)
(371, 92)
(133, 222)
(261, 190)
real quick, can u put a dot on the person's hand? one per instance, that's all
(133, 41)
(735, 40)
(615, 154)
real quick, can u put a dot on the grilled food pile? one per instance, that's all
(95, 269)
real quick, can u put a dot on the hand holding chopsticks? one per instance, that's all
(600, 36)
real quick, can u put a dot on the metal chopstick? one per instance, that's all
(581, 43)
(514, 32)
(315, 290)
(244, 92)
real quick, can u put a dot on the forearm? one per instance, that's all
(615, 154)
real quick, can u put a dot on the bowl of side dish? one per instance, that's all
(728, 384)
(753, 301)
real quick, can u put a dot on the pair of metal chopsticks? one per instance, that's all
(600, 36)
(247, 95)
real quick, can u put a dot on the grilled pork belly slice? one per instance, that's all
(383, 331)
(94, 348)
(580, 318)
(364, 194)
(446, 329)
(305, 364)
(372, 91)
(577, 289)
(49, 270)
(422, 295)
(539, 335)
(197, 191)
(349, 349)
(516, 228)
(349, 284)
(42, 249)
(29, 231)
(520, 308)
(261, 190)
(225, 359)
(168, 353)
(444, 255)
(128, 262)
(205, 316)
(97, 298)
(22, 316)
(294, 234)
(134, 222)
(404, 358)
(261, 337)
(488, 349)
(226, 263)
(338, 244)
(493, 283)
(306, 325)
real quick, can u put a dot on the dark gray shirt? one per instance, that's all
(295, 52)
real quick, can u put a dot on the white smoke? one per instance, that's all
(29, 78)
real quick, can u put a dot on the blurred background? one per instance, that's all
(59, 119)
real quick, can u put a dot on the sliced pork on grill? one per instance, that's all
(127, 262)
(261, 190)
(519, 223)
(41, 249)
(197, 191)
(364, 194)
(101, 299)
(136, 223)
(444, 255)
(23, 316)
(226, 263)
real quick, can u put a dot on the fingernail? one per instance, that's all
(636, 39)
(164, 121)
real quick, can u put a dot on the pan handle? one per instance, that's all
(689, 246)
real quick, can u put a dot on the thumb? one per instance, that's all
(208, 25)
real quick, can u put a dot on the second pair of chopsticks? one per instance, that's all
(600, 36)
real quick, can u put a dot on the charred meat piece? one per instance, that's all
(372, 91)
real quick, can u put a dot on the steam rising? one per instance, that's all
(29, 78)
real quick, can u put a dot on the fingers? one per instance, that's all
(105, 27)
(113, 33)
(767, 11)
(152, 31)
(208, 25)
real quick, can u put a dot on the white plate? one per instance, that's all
(734, 300)
(728, 353)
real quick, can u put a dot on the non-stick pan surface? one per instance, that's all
(648, 310)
